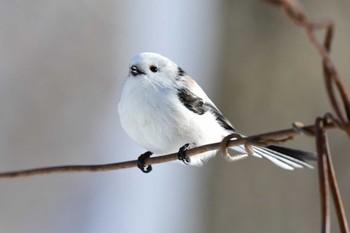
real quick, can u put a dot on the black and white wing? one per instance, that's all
(194, 99)
(198, 105)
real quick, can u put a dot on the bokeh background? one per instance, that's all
(62, 65)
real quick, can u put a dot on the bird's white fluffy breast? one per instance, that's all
(156, 120)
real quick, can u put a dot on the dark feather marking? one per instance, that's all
(197, 105)
(180, 71)
(192, 102)
(223, 122)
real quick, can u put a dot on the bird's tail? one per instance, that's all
(281, 156)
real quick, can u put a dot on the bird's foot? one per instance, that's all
(141, 162)
(181, 155)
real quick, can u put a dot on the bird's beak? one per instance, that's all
(134, 70)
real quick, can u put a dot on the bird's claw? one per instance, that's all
(181, 155)
(141, 162)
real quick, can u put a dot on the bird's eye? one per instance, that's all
(153, 68)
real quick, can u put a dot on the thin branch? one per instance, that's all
(260, 139)
(333, 83)
(339, 207)
(321, 140)
(296, 14)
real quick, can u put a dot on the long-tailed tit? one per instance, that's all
(164, 111)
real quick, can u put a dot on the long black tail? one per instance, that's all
(284, 157)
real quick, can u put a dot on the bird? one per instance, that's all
(165, 111)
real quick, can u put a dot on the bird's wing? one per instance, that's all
(192, 96)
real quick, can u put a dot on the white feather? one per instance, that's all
(154, 116)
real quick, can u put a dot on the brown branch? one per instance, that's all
(260, 139)
(328, 181)
(322, 150)
(339, 207)
(332, 79)
(333, 83)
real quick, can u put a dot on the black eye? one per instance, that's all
(153, 68)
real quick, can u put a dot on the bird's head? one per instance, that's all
(154, 69)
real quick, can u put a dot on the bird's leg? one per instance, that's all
(181, 155)
(141, 162)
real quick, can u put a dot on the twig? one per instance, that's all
(339, 207)
(333, 83)
(295, 13)
(322, 150)
(279, 136)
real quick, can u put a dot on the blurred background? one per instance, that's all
(62, 67)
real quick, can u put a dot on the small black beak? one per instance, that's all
(134, 70)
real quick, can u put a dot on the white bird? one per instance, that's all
(165, 111)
